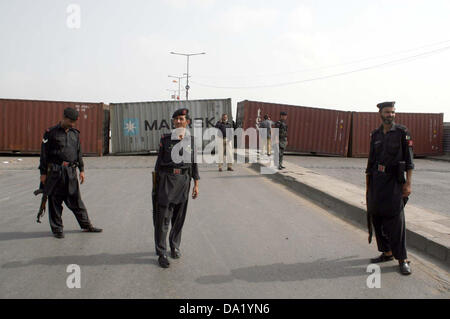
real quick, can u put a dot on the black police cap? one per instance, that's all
(71, 113)
(181, 112)
(283, 113)
(385, 104)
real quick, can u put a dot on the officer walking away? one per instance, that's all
(225, 146)
(387, 190)
(282, 138)
(173, 178)
(60, 157)
(266, 143)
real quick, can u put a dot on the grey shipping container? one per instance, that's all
(137, 127)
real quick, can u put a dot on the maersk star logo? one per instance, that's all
(131, 127)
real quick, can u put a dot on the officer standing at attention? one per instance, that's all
(60, 157)
(390, 156)
(173, 184)
(282, 137)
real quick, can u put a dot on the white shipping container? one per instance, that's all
(137, 127)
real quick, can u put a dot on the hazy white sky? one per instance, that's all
(346, 55)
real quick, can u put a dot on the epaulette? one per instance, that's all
(374, 131)
(52, 128)
(401, 127)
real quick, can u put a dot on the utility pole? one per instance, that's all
(187, 68)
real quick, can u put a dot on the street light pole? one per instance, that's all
(179, 82)
(187, 68)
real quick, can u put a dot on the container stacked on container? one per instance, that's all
(23, 123)
(310, 130)
(137, 127)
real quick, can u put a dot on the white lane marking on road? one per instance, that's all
(4, 199)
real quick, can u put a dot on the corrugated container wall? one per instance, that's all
(23, 123)
(310, 130)
(137, 127)
(426, 130)
(447, 137)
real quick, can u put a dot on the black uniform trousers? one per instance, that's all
(390, 233)
(172, 213)
(279, 152)
(72, 200)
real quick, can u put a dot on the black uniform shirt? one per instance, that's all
(58, 146)
(223, 126)
(283, 128)
(165, 156)
(391, 148)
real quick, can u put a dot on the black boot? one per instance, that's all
(59, 235)
(405, 269)
(92, 229)
(163, 261)
(382, 258)
(175, 253)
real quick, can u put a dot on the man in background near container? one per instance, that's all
(60, 157)
(173, 181)
(282, 138)
(387, 190)
(225, 144)
(265, 139)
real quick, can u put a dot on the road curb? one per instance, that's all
(356, 215)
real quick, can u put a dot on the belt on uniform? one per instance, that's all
(176, 171)
(386, 169)
(67, 164)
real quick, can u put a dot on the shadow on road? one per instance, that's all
(321, 269)
(237, 176)
(28, 235)
(89, 260)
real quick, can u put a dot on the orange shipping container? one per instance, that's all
(23, 123)
(427, 131)
(310, 130)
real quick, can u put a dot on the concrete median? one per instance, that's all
(427, 231)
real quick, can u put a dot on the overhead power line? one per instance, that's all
(326, 66)
(392, 62)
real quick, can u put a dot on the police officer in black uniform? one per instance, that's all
(60, 157)
(282, 138)
(173, 183)
(390, 156)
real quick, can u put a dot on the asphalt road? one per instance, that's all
(430, 184)
(244, 237)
